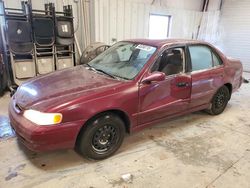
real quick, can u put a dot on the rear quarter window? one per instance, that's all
(216, 60)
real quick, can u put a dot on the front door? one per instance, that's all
(170, 96)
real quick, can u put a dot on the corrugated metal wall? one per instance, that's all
(122, 19)
(235, 30)
(209, 27)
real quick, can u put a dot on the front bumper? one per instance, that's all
(43, 138)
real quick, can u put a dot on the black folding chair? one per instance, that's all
(65, 31)
(19, 37)
(64, 39)
(44, 39)
(43, 29)
(20, 45)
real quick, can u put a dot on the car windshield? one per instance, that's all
(123, 59)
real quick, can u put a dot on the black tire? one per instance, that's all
(219, 101)
(101, 137)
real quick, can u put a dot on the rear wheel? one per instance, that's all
(219, 101)
(102, 137)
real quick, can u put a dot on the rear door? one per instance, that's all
(170, 96)
(207, 74)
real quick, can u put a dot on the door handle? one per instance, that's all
(182, 84)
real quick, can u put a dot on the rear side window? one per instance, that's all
(201, 57)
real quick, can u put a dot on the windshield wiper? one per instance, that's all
(87, 65)
(123, 78)
(102, 71)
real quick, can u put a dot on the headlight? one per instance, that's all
(41, 118)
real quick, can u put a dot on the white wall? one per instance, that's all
(214, 5)
(235, 30)
(209, 27)
(195, 5)
(174, 4)
(122, 19)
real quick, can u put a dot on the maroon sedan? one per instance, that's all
(132, 85)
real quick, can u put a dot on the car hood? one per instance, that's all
(62, 87)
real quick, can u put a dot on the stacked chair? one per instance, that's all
(20, 43)
(38, 41)
(64, 48)
(44, 39)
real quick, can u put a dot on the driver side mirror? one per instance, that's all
(154, 77)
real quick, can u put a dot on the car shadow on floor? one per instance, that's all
(135, 142)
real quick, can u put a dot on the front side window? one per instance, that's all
(170, 62)
(124, 59)
(201, 58)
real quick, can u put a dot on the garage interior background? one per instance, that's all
(223, 23)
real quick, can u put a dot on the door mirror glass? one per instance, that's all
(154, 77)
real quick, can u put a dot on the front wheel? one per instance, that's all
(219, 101)
(101, 137)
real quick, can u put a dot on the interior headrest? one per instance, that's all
(176, 52)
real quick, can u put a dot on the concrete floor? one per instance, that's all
(196, 150)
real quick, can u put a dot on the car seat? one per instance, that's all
(174, 63)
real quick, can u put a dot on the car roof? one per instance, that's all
(163, 42)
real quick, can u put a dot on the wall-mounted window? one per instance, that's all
(159, 26)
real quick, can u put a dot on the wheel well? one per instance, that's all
(229, 87)
(120, 113)
(124, 118)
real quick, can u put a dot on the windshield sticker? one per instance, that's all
(144, 47)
